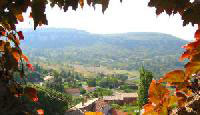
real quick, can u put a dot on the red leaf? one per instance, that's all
(197, 34)
(20, 17)
(192, 68)
(35, 99)
(186, 54)
(40, 112)
(31, 15)
(192, 45)
(157, 92)
(3, 33)
(25, 58)
(16, 55)
(16, 40)
(174, 76)
(21, 36)
(30, 67)
(31, 93)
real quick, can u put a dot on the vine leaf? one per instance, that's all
(89, 2)
(2, 45)
(31, 93)
(81, 3)
(38, 12)
(16, 55)
(172, 100)
(21, 36)
(192, 68)
(25, 58)
(20, 17)
(30, 66)
(197, 34)
(104, 5)
(181, 98)
(149, 110)
(157, 92)
(174, 76)
(40, 112)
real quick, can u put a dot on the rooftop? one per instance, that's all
(120, 96)
(72, 90)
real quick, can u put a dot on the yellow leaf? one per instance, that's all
(172, 100)
(174, 76)
(157, 92)
(20, 17)
(192, 68)
(16, 55)
(81, 3)
(2, 44)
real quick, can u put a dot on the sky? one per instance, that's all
(129, 16)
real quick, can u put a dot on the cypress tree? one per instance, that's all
(145, 81)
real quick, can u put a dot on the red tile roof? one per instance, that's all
(89, 88)
(72, 90)
(99, 105)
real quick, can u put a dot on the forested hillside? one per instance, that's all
(156, 51)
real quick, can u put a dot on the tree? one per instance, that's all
(91, 82)
(145, 80)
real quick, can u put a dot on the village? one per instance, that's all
(101, 104)
(105, 94)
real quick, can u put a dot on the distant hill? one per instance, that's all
(158, 52)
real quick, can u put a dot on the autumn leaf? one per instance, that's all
(30, 66)
(2, 45)
(157, 92)
(197, 34)
(25, 58)
(182, 87)
(186, 54)
(3, 33)
(89, 2)
(31, 93)
(149, 109)
(16, 55)
(172, 100)
(181, 99)
(192, 45)
(192, 68)
(40, 112)
(16, 41)
(104, 5)
(81, 3)
(174, 76)
(30, 16)
(20, 17)
(21, 36)
(38, 12)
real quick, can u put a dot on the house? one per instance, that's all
(89, 89)
(92, 105)
(80, 108)
(102, 106)
(129, 97)
(72, 91)
(118, 112)
(48, 78)
(121, 98)
(114, 98)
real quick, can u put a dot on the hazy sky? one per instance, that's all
(130, 16)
